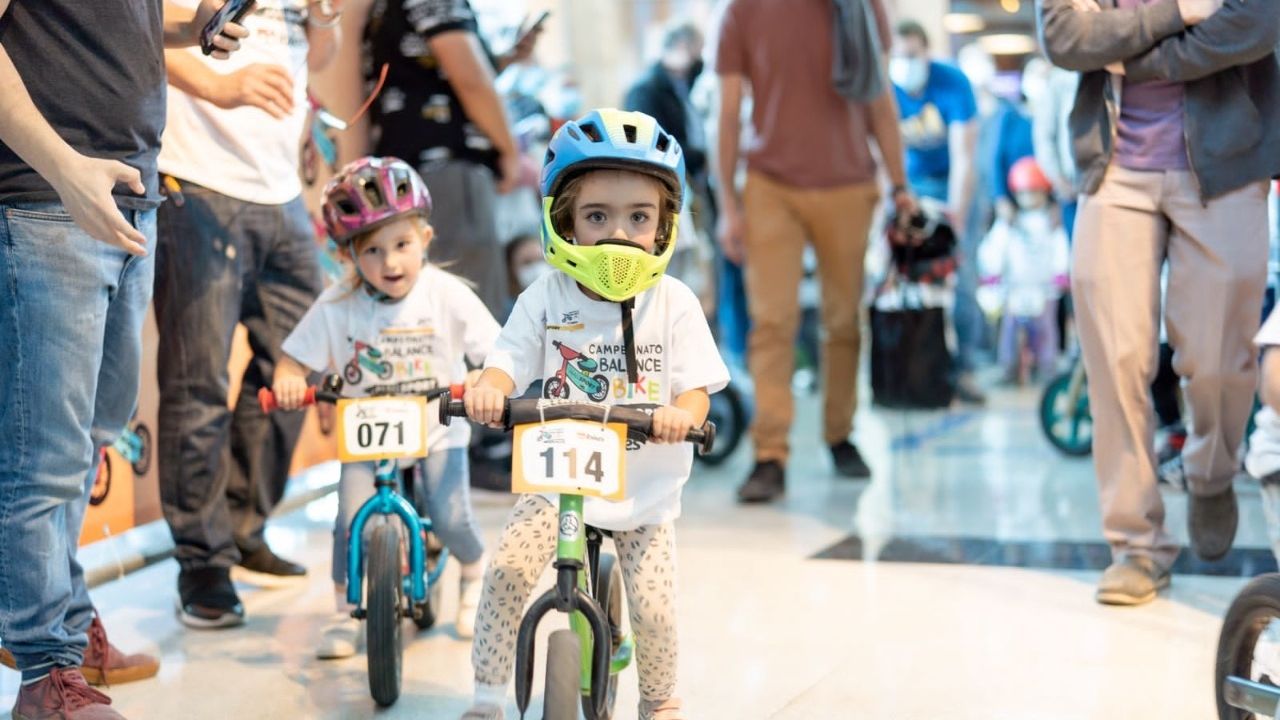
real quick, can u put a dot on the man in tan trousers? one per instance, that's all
(1176, 130)
(811, 179)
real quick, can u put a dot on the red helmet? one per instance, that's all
(1026, 176)
(371, 192)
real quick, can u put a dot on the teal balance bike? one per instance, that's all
(396, 575)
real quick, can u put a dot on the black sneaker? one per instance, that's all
(266, 569)
(765, 483)
(207, 599)
(848, 461)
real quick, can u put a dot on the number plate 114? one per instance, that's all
(570, 457)
(382, 428)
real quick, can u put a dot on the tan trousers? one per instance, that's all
(1217, 256)
(780, 220)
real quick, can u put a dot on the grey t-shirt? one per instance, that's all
(95, 71)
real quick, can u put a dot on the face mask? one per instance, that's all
(910, 74)
(530, 273)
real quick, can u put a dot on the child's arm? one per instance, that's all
(487, 398)
(671, 423)
(289, 383)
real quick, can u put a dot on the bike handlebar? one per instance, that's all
(526, 412)
(330, 391)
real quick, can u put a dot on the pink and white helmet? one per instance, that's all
(370, 192)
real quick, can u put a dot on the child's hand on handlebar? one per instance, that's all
(671, 424)
(485, 404)
(290, 391)
(472, 378)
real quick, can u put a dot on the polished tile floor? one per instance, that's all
(957, 584)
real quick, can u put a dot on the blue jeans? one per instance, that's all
(71, 313)
(731, 312)
(443, 489)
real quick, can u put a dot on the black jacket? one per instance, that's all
(654, 94)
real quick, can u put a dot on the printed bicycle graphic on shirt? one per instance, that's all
(575, 368)
(369, 358)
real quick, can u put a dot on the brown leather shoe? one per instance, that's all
(63, 695)
(104, 664)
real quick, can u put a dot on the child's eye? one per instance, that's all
(640, 218)
(595, 217)
(371, 250)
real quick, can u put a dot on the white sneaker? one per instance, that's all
(483, 711)
(468, 606)
(340, 638)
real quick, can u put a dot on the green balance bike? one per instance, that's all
(583, 663)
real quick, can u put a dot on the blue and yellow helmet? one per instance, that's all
(610, 139)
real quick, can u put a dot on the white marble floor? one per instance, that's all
(766, 630)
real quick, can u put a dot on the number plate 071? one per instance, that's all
(382, 428)
(570, 457)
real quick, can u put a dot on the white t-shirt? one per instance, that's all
(1270, 332)
(1031, 257)
(244, 153)
(412, 345)
(675, 353)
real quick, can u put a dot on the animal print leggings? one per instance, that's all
(648, 562)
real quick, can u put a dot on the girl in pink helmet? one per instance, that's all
(398, 325)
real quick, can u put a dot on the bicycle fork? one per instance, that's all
(586, 617)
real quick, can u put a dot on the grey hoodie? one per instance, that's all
(1228, 64)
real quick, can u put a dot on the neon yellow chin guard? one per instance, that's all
(614, 272)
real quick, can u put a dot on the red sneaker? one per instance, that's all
(104, 664)
(63, 695)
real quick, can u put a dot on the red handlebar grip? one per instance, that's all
(267, 399)
(456, 391)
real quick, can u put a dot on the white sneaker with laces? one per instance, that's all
(341, 638)
(483, 711)
(468, 605)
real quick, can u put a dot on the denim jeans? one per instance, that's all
(71, 313)
(442, 488)
(223, 261)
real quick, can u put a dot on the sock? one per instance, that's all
(340, 600)
(495, 695)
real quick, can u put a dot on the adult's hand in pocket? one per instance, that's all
(84, 186)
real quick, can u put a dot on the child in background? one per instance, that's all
(1028, 257)
(612, 183)
(396, 326)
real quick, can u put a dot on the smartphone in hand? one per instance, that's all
(232, 11)
(542, 18)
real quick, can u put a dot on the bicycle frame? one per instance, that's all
(387, 501)
(576, 559)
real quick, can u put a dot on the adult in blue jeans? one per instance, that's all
(940, 131)
(78, 192)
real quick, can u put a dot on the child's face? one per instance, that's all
(617, 205)
(1031, 199)
(391, 258)
(527, 263)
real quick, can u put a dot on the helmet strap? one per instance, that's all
(374, 292)
(629, 341)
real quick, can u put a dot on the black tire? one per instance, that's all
(1070, 441)
(555, 388)
(385, 593)
(352, 373)
(609, 592)
(1257, 605)
(384, 370)
(102, 482)
(143, 464)
(564, 677)
(730, 417)
(603, 392)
